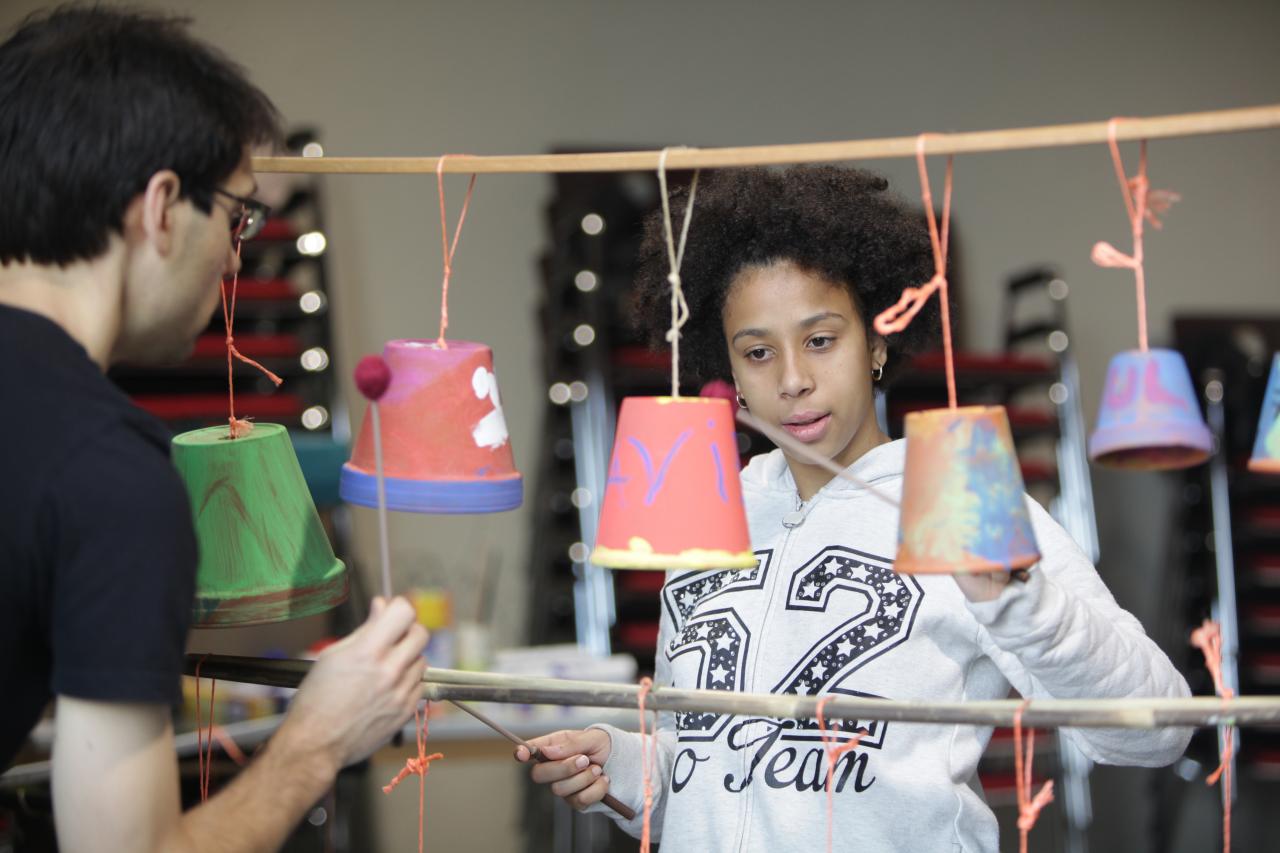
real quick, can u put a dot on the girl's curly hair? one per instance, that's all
(837, 222)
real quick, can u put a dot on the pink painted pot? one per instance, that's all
(673, 499)
(444, 437)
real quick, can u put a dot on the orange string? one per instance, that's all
(229, 746)
(1141, 203)
(897, 317)
(833, 751)
(1208, 639)
(1028, 806)
(418, 766)
(447, 250)
(204, 766)
(237, 427)
(648, 762)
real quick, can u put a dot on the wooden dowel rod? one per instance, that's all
(1046, 713)
(536, 755)
(1014, 139)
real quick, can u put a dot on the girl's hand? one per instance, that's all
(575, 770)
(987, 586)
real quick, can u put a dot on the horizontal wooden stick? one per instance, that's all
(1050, 136)
(1043, 713)
(536, 755)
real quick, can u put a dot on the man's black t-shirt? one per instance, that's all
(97, 548)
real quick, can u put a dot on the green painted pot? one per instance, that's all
(264, 556)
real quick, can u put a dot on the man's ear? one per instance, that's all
(153, 215)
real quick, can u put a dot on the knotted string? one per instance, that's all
(446, 249)
(236, 426)
(648, 761)
(675, 257)
(834, 750)
(204, 765)
(1208, 639)
(417, 765)
(1141, 203)
(1028, 806)
(899, 316)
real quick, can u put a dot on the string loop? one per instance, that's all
(834, 750)
(898, 316)
(1208, 639)
(447, 250)
(1028, 806)
(648, 762)
(204, 766)
(417, 765)
(675, 257)
(236, 426)
(1141, 204)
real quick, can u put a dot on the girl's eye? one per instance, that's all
(821, 341)
(757, 354)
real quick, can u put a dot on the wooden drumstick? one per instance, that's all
(536, 755)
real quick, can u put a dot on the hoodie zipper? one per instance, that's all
(790, 521)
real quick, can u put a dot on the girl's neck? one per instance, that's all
(811, 478)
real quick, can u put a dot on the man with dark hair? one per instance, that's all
(124, 174)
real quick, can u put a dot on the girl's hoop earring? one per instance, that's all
(877, 374)
(740, 400)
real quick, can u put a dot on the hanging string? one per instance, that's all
(1028, 806)
(648, 762)
(899, 316)
(229, 746)
(834, 749)
(1208, 639)
(1142, 204)
(446, 249)
(236, 426)
(418, 766)
(675, 257)
(204, 766)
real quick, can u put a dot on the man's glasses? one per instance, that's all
(248, 217)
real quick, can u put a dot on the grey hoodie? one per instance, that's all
(824, 612)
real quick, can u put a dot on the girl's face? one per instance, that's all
(801, 359)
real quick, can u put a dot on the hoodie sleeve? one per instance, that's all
(1061, 635)
(625, 766)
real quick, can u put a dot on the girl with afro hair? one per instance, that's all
(784, 273)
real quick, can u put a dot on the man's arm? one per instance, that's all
(115, 779)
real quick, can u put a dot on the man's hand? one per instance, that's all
(361, 690)
(576, 769)
(115, 781)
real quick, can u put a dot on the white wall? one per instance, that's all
(515, 77)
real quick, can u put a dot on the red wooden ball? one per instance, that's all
(373, 376)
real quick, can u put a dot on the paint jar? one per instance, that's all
(435, 613)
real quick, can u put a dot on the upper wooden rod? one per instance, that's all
(1050, 136)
